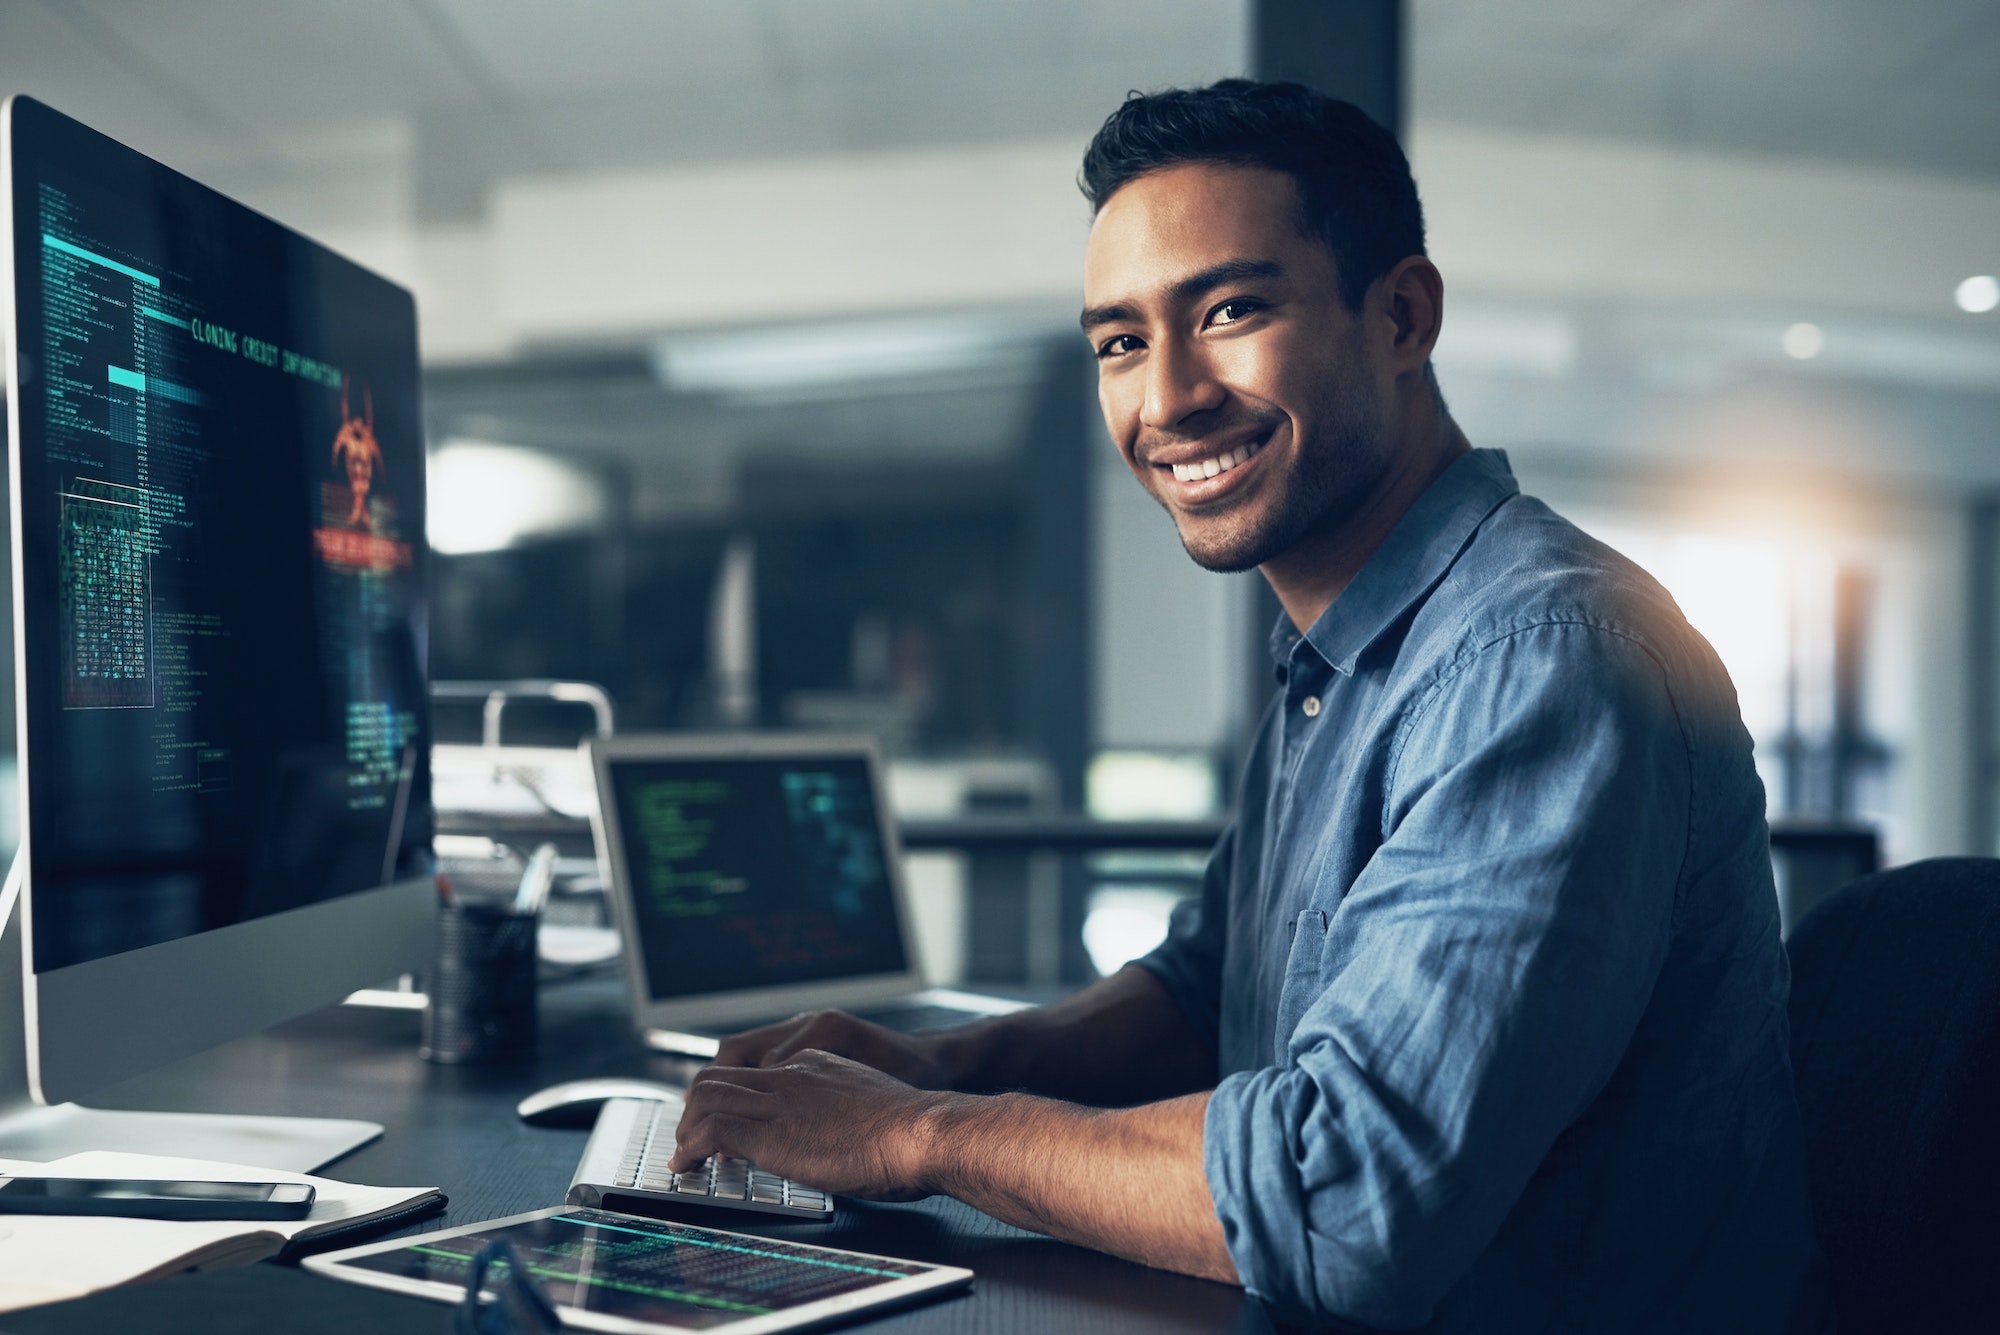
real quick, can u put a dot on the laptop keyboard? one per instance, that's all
(628, 1155)
(915, 1019)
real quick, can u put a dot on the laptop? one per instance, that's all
(754, 876)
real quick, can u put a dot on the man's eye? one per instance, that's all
(1117, 346)
(1229, 312)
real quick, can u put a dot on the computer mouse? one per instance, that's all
(575, 1102)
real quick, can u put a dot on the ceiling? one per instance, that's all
(253, 92)
(328, 112)
(463, 91)
(1909, 84)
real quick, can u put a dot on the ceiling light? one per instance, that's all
(1803, 341)
(1979, 293)
(821, 355)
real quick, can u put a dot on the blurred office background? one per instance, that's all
(754, 391)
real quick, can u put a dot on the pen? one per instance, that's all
(536, 880)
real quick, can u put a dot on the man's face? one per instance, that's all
(1234, 379)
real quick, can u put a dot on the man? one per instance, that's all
(1478, 1022)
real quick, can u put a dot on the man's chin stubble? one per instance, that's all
(1253, 545)
(1236, 552)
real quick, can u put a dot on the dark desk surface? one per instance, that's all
(456, 1128)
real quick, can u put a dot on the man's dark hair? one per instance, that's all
(1355, 192)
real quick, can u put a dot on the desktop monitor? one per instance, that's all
(217, 504)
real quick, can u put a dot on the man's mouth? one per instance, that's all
(1219, 463)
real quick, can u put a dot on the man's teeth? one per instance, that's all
(1221, 463)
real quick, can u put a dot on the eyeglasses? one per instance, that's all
(512, 1304)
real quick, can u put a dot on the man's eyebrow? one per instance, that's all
(1093, 316)
(1186, 289)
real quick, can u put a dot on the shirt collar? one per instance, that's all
(1414, 557)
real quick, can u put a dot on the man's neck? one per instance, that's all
(1308, 576)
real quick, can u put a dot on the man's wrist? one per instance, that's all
(939, 1134)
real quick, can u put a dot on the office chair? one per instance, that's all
(1895, 1016)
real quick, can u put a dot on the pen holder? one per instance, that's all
(483, 1007)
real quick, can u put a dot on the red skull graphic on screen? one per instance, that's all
(355, 446)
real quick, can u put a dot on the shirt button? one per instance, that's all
(1310, 705)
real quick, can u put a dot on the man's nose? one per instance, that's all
(1179, 383)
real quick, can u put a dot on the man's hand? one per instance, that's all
(853, 1108)
(914, 1059)
(820, 1119)
(844, 1127)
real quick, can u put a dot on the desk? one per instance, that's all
(456, 1128)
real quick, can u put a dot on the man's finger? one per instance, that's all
(750, 1096)
(743, 1077)
(785, 1049)
(739, 1050)
(749, 1047)
(715, 1133)
(820, 1029)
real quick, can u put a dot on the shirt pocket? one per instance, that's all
(1305, 967)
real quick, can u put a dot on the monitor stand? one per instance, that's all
(41, 1132)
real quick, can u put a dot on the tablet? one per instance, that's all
(618, 1272)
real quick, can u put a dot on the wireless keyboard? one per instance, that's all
(625, 1168)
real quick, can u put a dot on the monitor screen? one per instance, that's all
(219, 515)
(750, 872)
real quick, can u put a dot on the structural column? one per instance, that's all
(1352, 49)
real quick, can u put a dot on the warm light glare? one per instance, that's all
(1736, 591)
(1803, 341)
(1979, 293)
(485, 497)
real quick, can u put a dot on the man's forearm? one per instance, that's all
(1123, 1040)
(1128, 1181)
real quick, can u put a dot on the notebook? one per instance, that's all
(754, 876)
(47, 1258)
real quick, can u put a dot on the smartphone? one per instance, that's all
(155, 1200)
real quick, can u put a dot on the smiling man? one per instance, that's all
(1478, 1023)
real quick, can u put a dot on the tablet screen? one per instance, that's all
(652, 1271)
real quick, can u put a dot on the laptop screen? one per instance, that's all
(755, 871)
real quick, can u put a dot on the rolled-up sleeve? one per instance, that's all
(1473, 990)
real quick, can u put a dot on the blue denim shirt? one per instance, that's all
(1490, 956)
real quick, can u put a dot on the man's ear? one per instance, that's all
(1412, 296)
